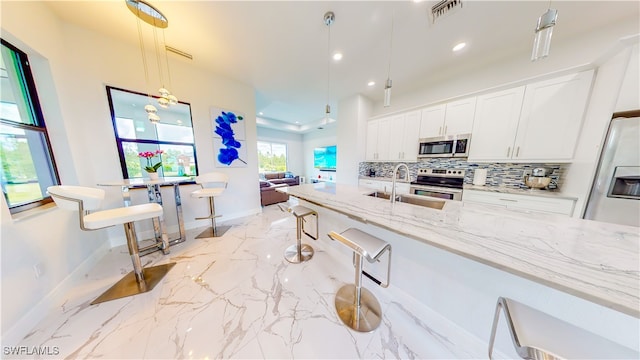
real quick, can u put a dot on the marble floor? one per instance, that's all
(236, 297)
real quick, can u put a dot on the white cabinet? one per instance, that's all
(533, 203)
(393, 138)
(378, 140)
(536, 123)
(453, 118)
(551, 117)
(404, 137)
(495, 125)
(432, 121)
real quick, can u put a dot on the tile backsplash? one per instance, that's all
(498, 174)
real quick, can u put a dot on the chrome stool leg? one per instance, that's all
(356, 306)
(300, 252)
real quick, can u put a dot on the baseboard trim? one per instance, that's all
(30, 320)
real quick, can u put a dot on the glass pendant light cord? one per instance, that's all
(155, 42)
(166, 56)
(328, 108)
(390, 47)
(144, 59)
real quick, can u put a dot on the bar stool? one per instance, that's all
(212, 184)
(537, 335)
(357, 307)
(85, 200)
(300, 252)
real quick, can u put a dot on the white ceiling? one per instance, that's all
(280, 47)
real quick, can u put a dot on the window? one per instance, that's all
(28, 168)
(272, 156)
(135, 134)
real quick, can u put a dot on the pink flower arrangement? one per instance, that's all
(151, 168)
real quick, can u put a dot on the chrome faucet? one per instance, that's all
(395, 175)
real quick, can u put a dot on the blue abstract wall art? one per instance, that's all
(229, 138)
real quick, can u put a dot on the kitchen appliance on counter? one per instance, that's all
(615, 193)
(444, 146)
(440, 183)
(538, 178)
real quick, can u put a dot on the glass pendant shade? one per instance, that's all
(544, 31)
(387, 93)
(150, 109)
(163, 102)
(154, 118)
(172, 99)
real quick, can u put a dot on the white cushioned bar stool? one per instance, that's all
(86, 201)
(300, 252)
(537, 335)
(212, 184)
(357, 307)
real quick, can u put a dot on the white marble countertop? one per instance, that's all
(596, 261)
(528, 192)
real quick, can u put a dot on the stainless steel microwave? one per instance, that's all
(444, 146)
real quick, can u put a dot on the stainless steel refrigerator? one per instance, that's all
(615, 193)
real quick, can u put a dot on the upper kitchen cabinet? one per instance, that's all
(453, 118)
(548, 125)
(404, 137)
(552, 114)
(495, 125)
(378, 139)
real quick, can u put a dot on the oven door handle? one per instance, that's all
(434, 188)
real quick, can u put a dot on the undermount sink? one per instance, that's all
(414, 200)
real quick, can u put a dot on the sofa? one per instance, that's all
(269, 182)
(269, 195)
(281, 178)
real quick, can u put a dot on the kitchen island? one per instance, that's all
(594, 262)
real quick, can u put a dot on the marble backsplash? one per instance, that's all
(498, 174)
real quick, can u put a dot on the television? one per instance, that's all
(324, 158)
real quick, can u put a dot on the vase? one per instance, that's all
(153, 176)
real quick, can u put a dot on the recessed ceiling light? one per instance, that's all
(179, 122)
(337, 56)
(460, 46)
(260, 113)
(371, 83)
(297, 122)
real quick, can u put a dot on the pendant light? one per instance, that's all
(152, 16)
(329, 18)
(388, 83)
(544, 30)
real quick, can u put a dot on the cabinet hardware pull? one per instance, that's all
(440, 130)
(445, 130)
(511, 200)
(517, 151)
(508, 151)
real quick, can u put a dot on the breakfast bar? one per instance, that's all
(568, 262)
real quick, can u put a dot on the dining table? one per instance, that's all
(155, 195)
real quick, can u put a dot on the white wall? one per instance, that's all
(629, 98)
(72, 67)
(295, 159)
(352, 120)
(314, 139)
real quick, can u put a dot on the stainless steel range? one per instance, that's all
(440, 183)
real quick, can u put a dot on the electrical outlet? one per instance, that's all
(39, 270)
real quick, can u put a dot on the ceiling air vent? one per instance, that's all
(444, 7)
